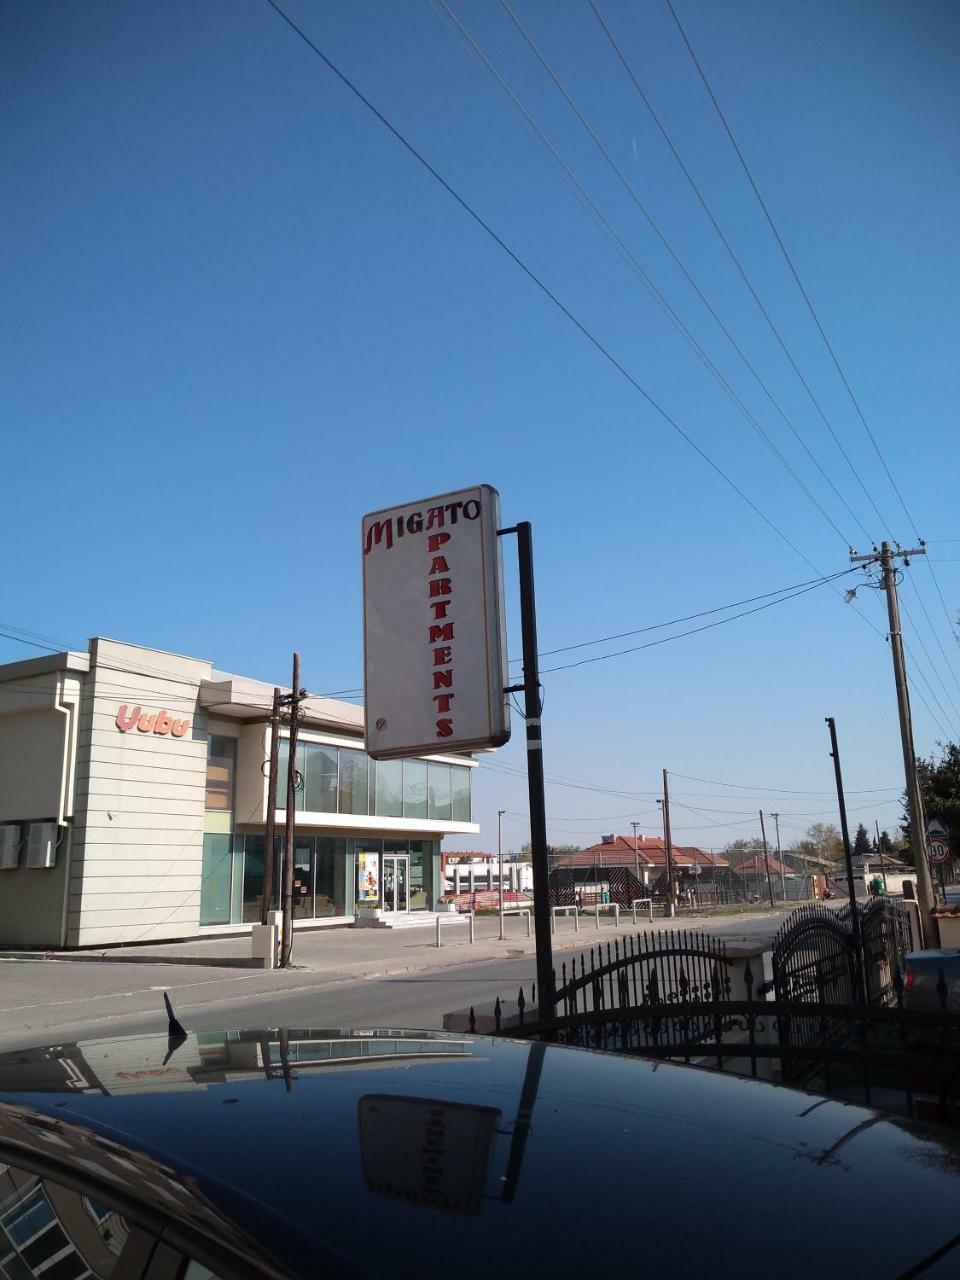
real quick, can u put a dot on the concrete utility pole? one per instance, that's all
(636, 852)
(500, 813)
(918, 843)
(269, 873)
(286, 946)
(668, 849)
(783, 883)
(766, 858)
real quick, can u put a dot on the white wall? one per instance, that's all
(37, 753)
(138, 851)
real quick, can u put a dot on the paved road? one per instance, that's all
(41, 1003)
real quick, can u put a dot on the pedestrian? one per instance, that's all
(579, 901)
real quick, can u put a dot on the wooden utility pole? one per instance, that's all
(286, 948)
(918, 842)
(783, 882)
(883, 870)
(668, 849)
(269, 853)
(766, 858)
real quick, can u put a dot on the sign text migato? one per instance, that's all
(434, 648)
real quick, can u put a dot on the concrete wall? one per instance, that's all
(137, 858)
(37, 755)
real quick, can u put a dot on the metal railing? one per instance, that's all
(560, 911)
(455, 918)
(642, 902)
(519, 911)
(608, 906)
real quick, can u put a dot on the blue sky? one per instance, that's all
(237, 315)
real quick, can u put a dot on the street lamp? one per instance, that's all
(500, 813)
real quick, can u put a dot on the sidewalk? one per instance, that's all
(374, 953)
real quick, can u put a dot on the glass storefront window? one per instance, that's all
(282, 757)
(390, 788)
(216, 879)
(320, 778)
(414, 789)
(460, 793)
(303, 877)
(421, 877)
(221, 765)
(345, 780)
(353, 781)
(439, 787)
(331, 877)
(368, 861)
(254, 848)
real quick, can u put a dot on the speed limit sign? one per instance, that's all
(939, 851)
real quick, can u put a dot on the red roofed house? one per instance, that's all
(628, 867)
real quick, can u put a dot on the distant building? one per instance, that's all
(622, 868)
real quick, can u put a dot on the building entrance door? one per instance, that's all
(396, 881)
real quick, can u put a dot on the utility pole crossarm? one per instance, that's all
(875, 556)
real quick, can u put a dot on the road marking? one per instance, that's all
(120, 995)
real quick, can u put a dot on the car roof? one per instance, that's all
(409, 1151)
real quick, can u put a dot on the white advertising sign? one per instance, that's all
(434, 643)
(368, 879)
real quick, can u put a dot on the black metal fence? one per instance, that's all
(679, 995)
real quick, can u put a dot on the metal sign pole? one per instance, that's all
(845, 832)
(535, 783)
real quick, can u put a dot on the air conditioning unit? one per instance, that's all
(9, 847)
(42, 845)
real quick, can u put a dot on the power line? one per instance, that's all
(815, 317)
(603, 657)
(473, 48)
(535, 279)
(690, 617)
(739, 267)
(782, 791)
(793, 271)
(946, 660)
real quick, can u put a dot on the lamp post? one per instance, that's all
(500, 813)
(636, 853)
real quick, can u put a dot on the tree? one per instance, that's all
(940, 788)
(825, 841)
(554, 850)
(737, 852)
(886, 844)
(861, 843)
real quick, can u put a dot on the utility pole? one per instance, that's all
(845, 832)
(766, 858)
(500, 813)
(286, 948)
(883, 869)
(783, 883)
(636, 852)
(668, 849)
(269, 853)
(918, 843)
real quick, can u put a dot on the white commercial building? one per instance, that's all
(133, 804)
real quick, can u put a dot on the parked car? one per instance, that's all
(921, 987)
(258, 1154)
